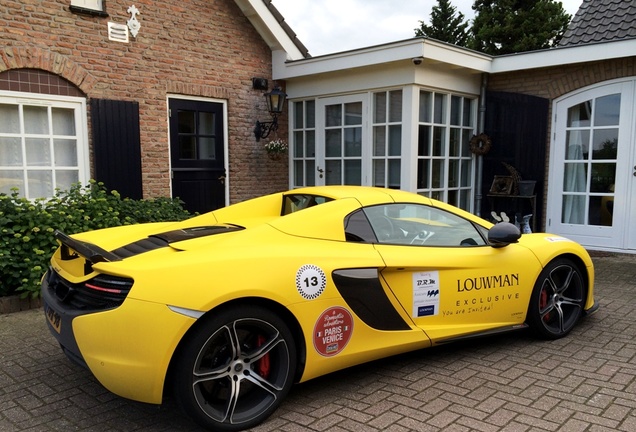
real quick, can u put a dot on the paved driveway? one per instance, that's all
(585, 382)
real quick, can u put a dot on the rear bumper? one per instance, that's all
(127, 348)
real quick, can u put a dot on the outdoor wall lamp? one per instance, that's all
(275, 101)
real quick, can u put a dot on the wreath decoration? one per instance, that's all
(480, 144)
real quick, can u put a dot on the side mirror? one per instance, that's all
(502, 234)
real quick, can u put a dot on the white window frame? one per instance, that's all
(78, 105)
(95, 5)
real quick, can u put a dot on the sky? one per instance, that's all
(329, 26)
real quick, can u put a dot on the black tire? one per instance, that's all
(557, 300)
(235, 368)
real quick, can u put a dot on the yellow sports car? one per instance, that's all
(230, 308)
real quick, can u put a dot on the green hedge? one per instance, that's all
(27, 226)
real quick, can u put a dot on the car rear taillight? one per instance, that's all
(101, 292)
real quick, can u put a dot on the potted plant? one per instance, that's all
(276, 148)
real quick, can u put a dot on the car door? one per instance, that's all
(444, 274)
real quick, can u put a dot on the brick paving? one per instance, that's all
(585, 382)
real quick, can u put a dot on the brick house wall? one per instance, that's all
(552, 83)
(198, 48)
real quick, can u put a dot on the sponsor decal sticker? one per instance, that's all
(425, 293)
(310, 281)
(332, 331)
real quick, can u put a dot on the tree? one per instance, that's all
(447, 25)
(511, 26)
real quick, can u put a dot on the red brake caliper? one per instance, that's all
(263, 363)
(543, 302)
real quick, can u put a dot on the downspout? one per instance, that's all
(481, 122)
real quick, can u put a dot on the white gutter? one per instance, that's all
(429, 50)
(455, 57)
(564, 56)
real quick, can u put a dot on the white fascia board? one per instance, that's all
(426, 49)
(268, 27)
(564, 56)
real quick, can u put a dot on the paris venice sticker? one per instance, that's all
(333, 331)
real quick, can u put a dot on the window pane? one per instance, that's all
(334, 143)
(310, 114)
(579, 115)
(207, 148)
(455, 142)
(311, 144)
(40, 183)
(439, 110)
(426, 111)
(379, 172)
(353, 113)
(38, 152)
(36, 120)
(353, 172)
(206, 123)
(186, 122)
(423, 173)
(468, 113)
(423, 141)
(575, 177)
(607, 110)
(310, 179)
(10, 151)
(379, 141)
(395, 140)
(64, 179)
(603, 177)
(11, 179)
(438, 173)
(394, 173)
(395, 106)
(578, 144)
(298, 144)
(379, 112)
(333, 175)
(187, 147)
(466, 171)
(456, 113)
(605, 144)
(353, 142)
(298, 115)
(573, 210)
(63, 121)
(439, 141)
(65, 152)
(299, 173)
(333, 115)
(453, 173)
(9, 119)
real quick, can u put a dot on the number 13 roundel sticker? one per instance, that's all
(310, 281)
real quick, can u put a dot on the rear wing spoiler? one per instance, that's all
(71, 248)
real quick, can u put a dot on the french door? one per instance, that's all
(340, 154)
(591, 194)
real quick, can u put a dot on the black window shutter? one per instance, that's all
(117, 146)
(517, 125)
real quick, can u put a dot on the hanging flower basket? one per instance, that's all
(276, 149)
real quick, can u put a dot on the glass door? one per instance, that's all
(589, 180)
(342, 132)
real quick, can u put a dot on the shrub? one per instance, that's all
(26, 227)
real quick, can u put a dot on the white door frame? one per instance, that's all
(619, 236)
